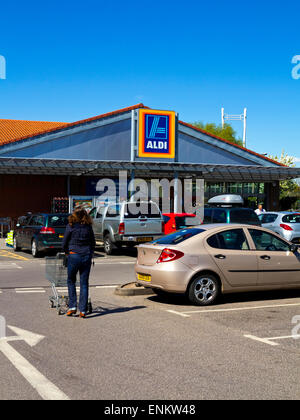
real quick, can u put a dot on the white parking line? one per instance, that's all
(178, 313)
(30, 290)
(269, 340)
(262, 340)
(9, 266)
(110, 262)
(65, 291)
(46, 389)
(245, 308)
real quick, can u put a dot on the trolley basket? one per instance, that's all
(57, 275)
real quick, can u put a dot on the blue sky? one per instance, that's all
(67, 61)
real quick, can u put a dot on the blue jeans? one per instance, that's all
(82, 264)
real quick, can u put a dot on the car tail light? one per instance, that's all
(121, 229)
(47, 230)
(168, 255)
(285, 227)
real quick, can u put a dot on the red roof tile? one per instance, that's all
(11, 130)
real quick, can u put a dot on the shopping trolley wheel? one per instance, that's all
(60, 312)
(51, 303)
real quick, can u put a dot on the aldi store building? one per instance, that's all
(43, 160)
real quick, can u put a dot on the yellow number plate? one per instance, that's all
(144, 239)
(61, 236)
(144, 277)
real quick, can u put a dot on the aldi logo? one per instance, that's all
(156, 133)
(157, 127)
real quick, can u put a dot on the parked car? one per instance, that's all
(40, 232)
(176, 221)
(228, 208)
(126, 223)
(230, 215)
(286, 224)
(208, 260)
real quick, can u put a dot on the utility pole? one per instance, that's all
(236, 117)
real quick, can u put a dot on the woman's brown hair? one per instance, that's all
(81, 216)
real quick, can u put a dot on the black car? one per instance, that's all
(40, 232)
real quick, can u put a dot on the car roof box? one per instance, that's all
(226, 200)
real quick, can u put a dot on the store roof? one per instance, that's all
(14, 131)
(237, 146)
(217, 173)
(11, 130)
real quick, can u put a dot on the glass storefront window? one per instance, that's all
(216, 188)
(235, 188)
(244, 189)
(250, 188)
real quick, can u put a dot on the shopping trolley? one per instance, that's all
(57, 275)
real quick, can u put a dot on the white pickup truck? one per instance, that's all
(126, 223)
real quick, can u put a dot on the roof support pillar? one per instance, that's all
(272, 196)
(68, 186)
(177, 193)
(130, 194)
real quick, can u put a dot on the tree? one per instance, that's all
(289, 189)
(227, 132)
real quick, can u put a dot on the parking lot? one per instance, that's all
(146, 347)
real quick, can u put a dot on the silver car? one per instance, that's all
(126, 223)
(285, 223)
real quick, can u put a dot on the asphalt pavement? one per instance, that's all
(143, 347)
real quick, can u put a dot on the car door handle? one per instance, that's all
(265, 257)
(220, 256)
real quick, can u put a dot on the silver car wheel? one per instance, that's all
(108, 246)
(204, 289)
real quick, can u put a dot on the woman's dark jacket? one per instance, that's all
(79, 239)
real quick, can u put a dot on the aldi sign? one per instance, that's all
(156, 133)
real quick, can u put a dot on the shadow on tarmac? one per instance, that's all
(182, 300)
(103, 308)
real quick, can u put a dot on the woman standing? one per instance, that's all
(79, 244)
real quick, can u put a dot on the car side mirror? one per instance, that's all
(294, 248)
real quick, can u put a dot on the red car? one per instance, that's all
(176, 221)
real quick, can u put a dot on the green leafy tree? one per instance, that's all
(227, 132)
(289, 186)
(289, 189)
